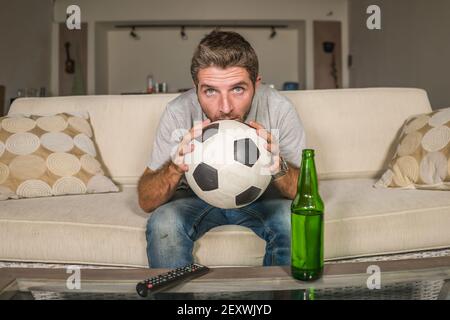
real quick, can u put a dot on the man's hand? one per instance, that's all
(157, 187)
(287, 184)
(185, 147)
(271, 146)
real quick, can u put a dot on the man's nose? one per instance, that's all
(225, 105)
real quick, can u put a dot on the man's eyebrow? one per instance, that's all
(240, 83)
(207, 86)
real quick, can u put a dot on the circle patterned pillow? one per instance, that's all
(422, 159)
(52, 155)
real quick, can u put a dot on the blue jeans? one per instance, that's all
(173, 228)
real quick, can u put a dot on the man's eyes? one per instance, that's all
(238, 90)
(210, 92)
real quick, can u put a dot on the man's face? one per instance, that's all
(225, 94)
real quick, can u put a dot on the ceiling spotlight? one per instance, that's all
(133, 33)
(183, 34)
(273, 33)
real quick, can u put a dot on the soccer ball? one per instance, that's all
(229, 167)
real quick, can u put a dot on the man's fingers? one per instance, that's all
(192, 134)
(255, 125)
(266, 135)
(263, 133)
(185, 149)
(275, 167)
(178, 161)
(195, 131)
(198, 129)
(272, 148)
(183, 167)
(201, 125)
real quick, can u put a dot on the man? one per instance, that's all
(227, 86)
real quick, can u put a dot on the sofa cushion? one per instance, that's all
(109, 229)
(49, 155)
(106, 229)
(362, 220)
(422, 157)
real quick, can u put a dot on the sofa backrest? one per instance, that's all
(355, 130)
(352, 130)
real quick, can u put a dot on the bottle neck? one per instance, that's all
(307, 181)
(308, 197)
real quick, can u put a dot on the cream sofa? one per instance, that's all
(352, 130)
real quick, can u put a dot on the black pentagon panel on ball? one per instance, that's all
(206, 177)
(247, 196)
(208, 132)
(246, 152)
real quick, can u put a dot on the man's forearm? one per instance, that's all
(287, 184)
(158, 187)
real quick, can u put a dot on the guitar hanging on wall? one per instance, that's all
(70, 63)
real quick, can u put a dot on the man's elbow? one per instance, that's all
(144, 199)
(146, 205)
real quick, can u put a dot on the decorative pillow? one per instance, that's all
(422, 159)
(49, 155)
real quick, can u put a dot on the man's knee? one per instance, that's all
(168, 243)
(281, 217)
(165, 222)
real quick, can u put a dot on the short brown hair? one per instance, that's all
(224, 49)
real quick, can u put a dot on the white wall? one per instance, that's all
(164, 54)
(97, 11)
(412, 49)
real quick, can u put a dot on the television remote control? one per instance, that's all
(170, 279)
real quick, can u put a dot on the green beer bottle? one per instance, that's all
(307, 224)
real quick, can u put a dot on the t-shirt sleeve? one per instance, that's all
(292, 139)
(168, 136)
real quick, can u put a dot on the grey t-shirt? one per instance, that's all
(269, 108)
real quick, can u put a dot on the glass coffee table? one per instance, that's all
(427, 278)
